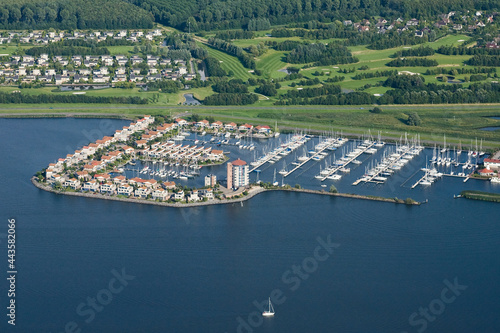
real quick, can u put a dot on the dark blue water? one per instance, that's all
(201, 269)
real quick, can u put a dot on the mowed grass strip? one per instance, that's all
(229, 63)
(271, 62)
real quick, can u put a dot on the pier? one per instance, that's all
(362, 149)
(390, 164)
(289, 146)
(324, 145)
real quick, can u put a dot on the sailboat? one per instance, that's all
(270, 311)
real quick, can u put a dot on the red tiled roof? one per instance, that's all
(239, 162)
(491, 160)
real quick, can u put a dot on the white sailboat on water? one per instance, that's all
(270, 311)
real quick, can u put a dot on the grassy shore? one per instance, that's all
(479, 195)
(457, 122)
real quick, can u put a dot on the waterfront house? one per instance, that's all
(491, 163)
(202, 123)
(142, 192)
(73, 183)
(108, 187)
(193, 196)
(181, 122)
(119, 179)
(169, 185)
(245, 127)
(486, 172)
(263, 129)
(216, 125)
(206, 193)
(160, 194)
(216, 155)
(179, 195)
(230, 126)
(91, 185)
(135, 180)
(102, 177)
(125, 189)
(128, 150)
(150, 183)
(83, 175)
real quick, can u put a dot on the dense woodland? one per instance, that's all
(54, 98)
(74, 14)
(236, 14)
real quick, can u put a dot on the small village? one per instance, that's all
(89, 69)
(98, 167)
(469, 21)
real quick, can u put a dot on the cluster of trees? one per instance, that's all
(236, 14)
(353, 98)
(421, 51)
(54, 98)
(230, 99)
(327, 89)
(76, 14)
(432, 93)
(235, 86)
(404, 82)
(321, 55)
(222, 45)
(259, 23)
(63, 50)
(213, 68)
(309, 82)
(286, 45)
(362, 76)
(268, 89)
(235, 34)
(180, 46)
(463, 50)
(166, 86)
(484, 60)
(460, 70)
(412, 62)
(335, 79)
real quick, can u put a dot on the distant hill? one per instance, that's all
(228, 14)
(72, 14)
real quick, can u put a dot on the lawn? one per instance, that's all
(271, 62)
(229, 63)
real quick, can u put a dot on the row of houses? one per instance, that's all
(39, 37)
(92, 69)
(477, 20)
(218, 125)
(84, 153)
(135, 187)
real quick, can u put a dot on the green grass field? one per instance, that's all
(229, 63)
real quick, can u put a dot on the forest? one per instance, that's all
(53, 98)
(75, 14)
(237, 14)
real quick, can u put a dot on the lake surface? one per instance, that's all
(190, 100)
(201, 269)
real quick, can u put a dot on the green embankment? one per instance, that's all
(479, 195)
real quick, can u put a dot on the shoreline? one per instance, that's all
(251, 193)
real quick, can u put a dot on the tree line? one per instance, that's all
(368, 75)
(230, 99)
(320, 54)
(53, 98)
(412, 62)
(421, 51)
(462, 50)
(76, 14)
(484, 60)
